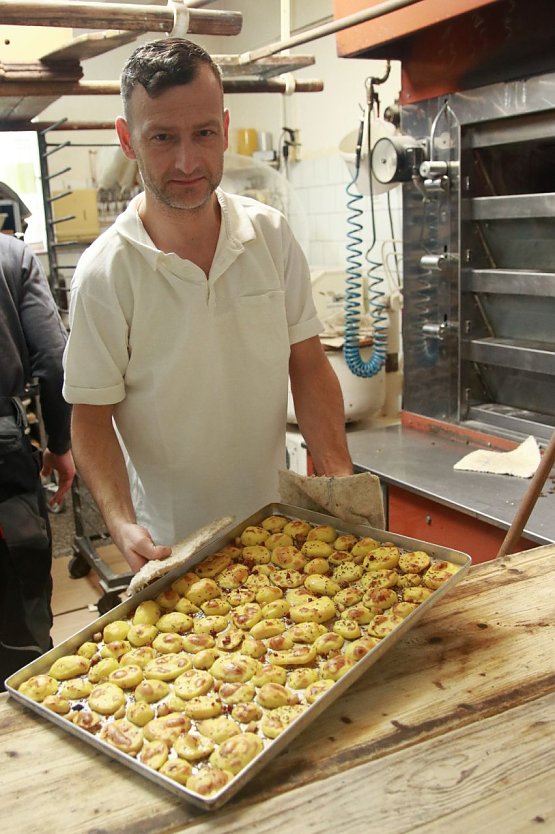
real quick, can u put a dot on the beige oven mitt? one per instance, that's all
(356, 499)
(181, 554)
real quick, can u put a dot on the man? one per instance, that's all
(186, 317)
(32, 340)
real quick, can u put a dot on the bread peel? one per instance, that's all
(181, 553)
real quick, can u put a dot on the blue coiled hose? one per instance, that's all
(351, 350)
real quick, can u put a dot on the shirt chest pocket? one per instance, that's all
(257, 325)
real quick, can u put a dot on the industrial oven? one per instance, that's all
(475, 151)
(479, 255)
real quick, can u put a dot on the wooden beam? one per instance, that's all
(33, 87)
(132, 17)
(89, 46)
(231, 66)
(36, 71)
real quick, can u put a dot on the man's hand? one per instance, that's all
(64, 466)
(137, 546)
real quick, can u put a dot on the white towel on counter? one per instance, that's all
(521, 462)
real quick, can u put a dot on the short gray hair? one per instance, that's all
(159, 65)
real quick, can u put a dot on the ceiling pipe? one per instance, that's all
(381, 9)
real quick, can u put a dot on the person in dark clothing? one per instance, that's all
(32, 341)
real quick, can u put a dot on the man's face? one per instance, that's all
(178, 140)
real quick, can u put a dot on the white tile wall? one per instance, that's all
(320, 185)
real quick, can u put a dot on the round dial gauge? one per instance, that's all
(393, 158)
(385, 160)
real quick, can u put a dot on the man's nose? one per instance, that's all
(186, 154)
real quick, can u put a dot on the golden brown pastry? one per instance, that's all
(100, 671)
(167, 728)
(235, 753)
(69, 666)
(106, 698)
(126, 677)
(193, 747)
(154, 754)
(178, 770)
(38, 687)
(274, 523)
(254, 535)
(208, 781)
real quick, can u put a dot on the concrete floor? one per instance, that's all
(74, 601)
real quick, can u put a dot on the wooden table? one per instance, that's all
(451, 731)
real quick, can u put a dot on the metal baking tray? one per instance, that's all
(272, 747)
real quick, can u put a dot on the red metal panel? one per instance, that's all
(457, 45)
(413, 515)
(395, 25)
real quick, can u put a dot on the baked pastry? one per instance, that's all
(235, 753)
(208, 781)
(106, 698)
(38, 687)
(70, 666)
(198, 680)
(193, 747)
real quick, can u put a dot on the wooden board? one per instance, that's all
(89, 46)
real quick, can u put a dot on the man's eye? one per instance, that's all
(206, 132)
(161, 137)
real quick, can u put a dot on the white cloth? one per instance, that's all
(198, 368)
(521, 462)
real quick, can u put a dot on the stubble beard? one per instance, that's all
(182, 203)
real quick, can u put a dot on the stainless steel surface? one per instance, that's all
(509, 206)
(494, 303)
(508, 281)
(422, 463)
(273, 747)
(531, 356)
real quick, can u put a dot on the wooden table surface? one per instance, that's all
(452, 730)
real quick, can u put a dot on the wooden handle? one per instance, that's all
(527, 504)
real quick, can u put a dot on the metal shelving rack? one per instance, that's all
(90, 531)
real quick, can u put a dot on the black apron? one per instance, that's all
(25, 546)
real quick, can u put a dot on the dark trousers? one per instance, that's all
(25, 548)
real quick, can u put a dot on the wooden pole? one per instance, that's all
(131, 17)
(528, 502)
(36, 88)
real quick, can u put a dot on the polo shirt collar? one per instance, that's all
(237, 229)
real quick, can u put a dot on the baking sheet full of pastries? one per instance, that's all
(200, 678)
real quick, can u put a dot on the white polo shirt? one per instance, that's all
(197, 368)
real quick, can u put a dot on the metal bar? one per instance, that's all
(57, 174)
(513, 420)
(55, 148)
(508, 281)
(532, 356)
(504, 208)
(531, 127)
(327, 29)
(131, 17)
(53, 126)
(62, 219)
(58, 196)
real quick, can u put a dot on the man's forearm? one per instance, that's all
(101, 465)
(319, 410)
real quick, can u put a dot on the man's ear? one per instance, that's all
(124, 136)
